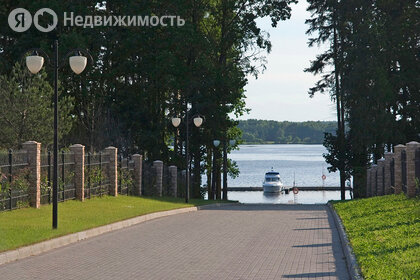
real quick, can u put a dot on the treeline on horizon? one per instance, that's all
(275, 132)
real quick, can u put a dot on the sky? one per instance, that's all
(281, 92)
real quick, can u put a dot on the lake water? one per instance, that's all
(305, 163)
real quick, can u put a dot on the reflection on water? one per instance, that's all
(303, 197)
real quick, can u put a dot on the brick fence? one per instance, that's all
(397, 172)
(112, 168)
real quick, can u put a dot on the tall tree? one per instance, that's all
(26, 112)
(378, 55)
(325, 22)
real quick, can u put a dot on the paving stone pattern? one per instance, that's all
(229, 242)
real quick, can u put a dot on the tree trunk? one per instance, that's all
(196, 186)
(214, 177)
(209, 175)
(340, 115)
(218, 177)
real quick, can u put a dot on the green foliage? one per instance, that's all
(19, 181)
(126, 180)
(233, 169)
(263, 131)
(68, 178)
(141, 76)
(95, 175)
(18, 186)
(371, 71)
(384, 234)
(45, 186)
(26, 111)
(96, 180)
(335, 160)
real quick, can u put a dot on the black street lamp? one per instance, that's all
(78, 63)
(198, 121)
(215, 193)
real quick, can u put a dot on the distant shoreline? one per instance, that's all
(273, 132)
(274, 143)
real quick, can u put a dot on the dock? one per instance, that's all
(301, 188)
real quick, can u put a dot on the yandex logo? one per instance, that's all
(20, 20)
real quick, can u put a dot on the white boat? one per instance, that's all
(272, 182)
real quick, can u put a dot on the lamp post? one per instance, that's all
(231, 143)
(198, 121)
(78, 63)
(214, 194)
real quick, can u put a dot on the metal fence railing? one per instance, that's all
(148, 179)
(46, 177)
(392, 164)
(404, 170)
(417, 172)
(15, 177)
(14, 185)
(96, 179)
(66, 187)
(125, 175)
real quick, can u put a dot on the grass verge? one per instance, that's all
(384, 232)
(27, 226)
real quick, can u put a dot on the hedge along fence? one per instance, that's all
(14, 174)
(397, 172)
(66, 187)
(26, 176)
(126, 176)
(96, 174)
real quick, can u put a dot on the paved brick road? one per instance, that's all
(231, 242)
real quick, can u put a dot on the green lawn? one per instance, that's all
(385, 235)
(26, 226)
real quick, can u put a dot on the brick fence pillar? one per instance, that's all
(138, 170)
(79, 170)
(173, 173)
(373, 177)
(397, 168)
(387, 176)
(112, 170)
(158, 166)
(368, 183)
(380, 182)
(411, 168)
(33, 150)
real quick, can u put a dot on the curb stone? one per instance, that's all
(215, 205)
(351, 261)
(44, 246)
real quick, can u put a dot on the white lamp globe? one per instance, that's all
(232, 142)
(78, 63)
(176, 122)
(198, 121)
(34, 63)
(216, 143)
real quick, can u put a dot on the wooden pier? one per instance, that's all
(301, 188)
